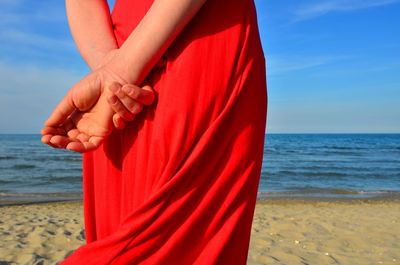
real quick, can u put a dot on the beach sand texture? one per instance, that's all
(284, 232)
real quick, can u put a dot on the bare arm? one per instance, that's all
(82, 119)
(91, 27)
(151, 38)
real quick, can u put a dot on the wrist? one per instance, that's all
(111, 74)
(104, 58)
(128, 71)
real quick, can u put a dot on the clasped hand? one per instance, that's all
(92, 108)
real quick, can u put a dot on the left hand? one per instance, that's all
(83, 119)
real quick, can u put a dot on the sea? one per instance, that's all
(294, 166)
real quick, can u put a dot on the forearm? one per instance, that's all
(146, 44)
(91, 27)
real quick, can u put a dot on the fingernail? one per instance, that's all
(149, 89)
(127, 89)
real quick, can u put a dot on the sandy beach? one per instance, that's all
(283, 232)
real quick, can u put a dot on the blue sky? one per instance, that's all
(332, 65)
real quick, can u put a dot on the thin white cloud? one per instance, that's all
(321, 8)
(31, 39)
(28, 94)
(29, 79)
(26, 12)
(10, 3)
(18, 19)
(277, 65)
(35, 31)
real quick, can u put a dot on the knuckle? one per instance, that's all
(137, 108)
(135, 93)
(120, 94)
(130, 105)
(118, 107)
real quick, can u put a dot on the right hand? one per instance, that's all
(128, 100)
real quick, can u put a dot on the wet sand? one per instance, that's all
(291, 231)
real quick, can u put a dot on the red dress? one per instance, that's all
(179, 184)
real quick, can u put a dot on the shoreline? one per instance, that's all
(38, 198)
(276, 199)
(308, 199)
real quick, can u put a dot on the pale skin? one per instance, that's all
(110, 93)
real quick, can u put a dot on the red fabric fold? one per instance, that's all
(179, 184)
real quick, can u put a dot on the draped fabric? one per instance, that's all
(179, 184)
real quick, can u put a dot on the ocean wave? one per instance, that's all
(324, 174)
(55, 179)
(72, 158)
(66, 158)
(7, 157)
(308, 173)
(342, 153)
(310, 189)
(346, 147)
(23, 166)
(330, 167)
(8, 181)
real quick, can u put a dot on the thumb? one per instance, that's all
(62, 111)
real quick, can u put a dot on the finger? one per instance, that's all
(119, 108)
(80, 147)
(61, 112)
(60, 141)
(93, 143)
(67, 129)
(118, 121)
(96, 140)
(82, 96)
(46, 140)
(52, 130)
(73, 134)
(82, 137)
(129, 103)
(76, 147)
(114, 87)
(115, 120)
(144, 95)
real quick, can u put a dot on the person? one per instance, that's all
(171, 123)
